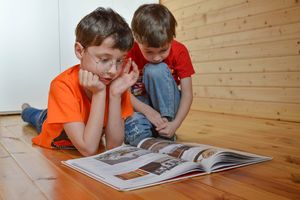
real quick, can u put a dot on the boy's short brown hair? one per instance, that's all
(103, 23)
(153, 25)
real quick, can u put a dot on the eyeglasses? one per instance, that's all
(107, 63)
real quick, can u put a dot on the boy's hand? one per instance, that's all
(168, 131)
(125, 80)
(155, 118)
(90, 81)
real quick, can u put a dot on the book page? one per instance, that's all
(188, 152)
(210, 158)
(227, 159)
(128, 167)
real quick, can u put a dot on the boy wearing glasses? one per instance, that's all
(92, 95)
(164, 63)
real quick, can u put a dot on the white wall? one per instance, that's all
(29, 56)
(37, 39)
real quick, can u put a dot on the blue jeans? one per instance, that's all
(35, 117)
(162, 94)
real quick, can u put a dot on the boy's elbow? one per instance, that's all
(111, 145)
(88, 151)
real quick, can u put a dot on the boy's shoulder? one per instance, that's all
(70, 74)
(66, 84)
(178, 51)
(178, 45)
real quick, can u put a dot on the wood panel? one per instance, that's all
(272, 64)
(174, 4)
(194, 30)
(258, 109)
(249, 8)
(204, 7)
(245, 53)
(283, 95)
(275, 33)
(255, 79)
(260, 50)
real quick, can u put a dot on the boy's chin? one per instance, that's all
(152, 62)
(106, 81)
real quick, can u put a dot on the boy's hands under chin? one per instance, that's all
(90, 82)
(125, 80)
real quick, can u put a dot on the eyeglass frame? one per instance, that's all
(107, 64)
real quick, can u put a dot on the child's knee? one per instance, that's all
(137, 128)
(156, 70)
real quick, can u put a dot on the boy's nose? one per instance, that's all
(157, 58)
(113, 68)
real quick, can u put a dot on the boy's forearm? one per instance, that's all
(139, 106)
(185, 101)
(93, 129)
(184, 107)
(115, 125)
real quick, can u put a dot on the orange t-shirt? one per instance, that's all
(67, 102)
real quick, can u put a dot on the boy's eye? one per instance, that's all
(104, 60)
(120, 61)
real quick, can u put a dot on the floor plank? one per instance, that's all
(277, 179)
(43, 166)
(14, 183)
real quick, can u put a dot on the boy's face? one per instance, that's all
(155, 55)
(102, 60)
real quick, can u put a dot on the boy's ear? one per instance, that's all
(79, 50)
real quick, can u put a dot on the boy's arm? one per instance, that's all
(151, 114)
(86, 137)
(184, 107)
(114, 131)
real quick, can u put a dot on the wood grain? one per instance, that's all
(245, 53)
(28, 170)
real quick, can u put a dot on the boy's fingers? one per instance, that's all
(127, 66)
(80, 76)
(162, 133)
(135, 67)
(89, 78)
(84, 77)
(165, 119)
(135, 72)
(163, 122)
(95, 79)
(134, 77)
(158, 128)
(161, 126)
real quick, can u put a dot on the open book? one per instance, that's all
(157, 161)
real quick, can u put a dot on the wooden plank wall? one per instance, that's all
(246, 54)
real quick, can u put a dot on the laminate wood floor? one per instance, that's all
(31, 172)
